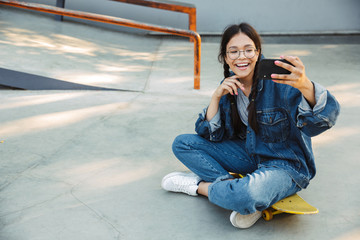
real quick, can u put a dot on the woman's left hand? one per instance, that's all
(297, 78)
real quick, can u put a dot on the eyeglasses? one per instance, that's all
(235, 54)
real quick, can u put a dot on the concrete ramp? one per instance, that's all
(25, 81)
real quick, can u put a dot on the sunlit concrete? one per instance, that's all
(88, 164)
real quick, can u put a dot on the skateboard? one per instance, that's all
(293, 204)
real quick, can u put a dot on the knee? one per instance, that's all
(178, 141)
(249, 200)
(256, 201)
(236, 195)
(183, 142)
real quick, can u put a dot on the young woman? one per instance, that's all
(258, 127)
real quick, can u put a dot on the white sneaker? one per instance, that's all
(181, 182)
(244, 221)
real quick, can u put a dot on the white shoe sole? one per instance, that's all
(247, 221)
(190, 191)
(169, 176)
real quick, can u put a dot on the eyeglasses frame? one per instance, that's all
(255, 50)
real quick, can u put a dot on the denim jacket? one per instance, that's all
(286, 124)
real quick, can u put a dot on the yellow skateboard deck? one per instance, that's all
(293, 204)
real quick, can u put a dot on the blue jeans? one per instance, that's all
(212, 162)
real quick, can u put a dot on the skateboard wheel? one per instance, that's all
(267, 215)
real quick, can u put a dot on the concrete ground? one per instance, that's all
(88, 164)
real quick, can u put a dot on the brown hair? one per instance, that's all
(228, 34)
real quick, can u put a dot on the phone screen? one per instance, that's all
(268, 67)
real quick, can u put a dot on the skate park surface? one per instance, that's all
(87, 164)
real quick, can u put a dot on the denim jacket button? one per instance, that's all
(304, 124)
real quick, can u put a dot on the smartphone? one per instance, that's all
(268, 67)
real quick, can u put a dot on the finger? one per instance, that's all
(285, 65)
(284, 79)
(242, 87)
(297, 70)
(294, 60)
(235, 79)
(235, 84)
(287, 82)
(281, 76)
(238, 85)
(231, 84)
(229, 89)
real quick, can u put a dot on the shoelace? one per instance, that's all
(183, 185)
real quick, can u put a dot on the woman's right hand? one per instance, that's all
(229, 85)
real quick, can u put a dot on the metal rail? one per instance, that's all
(118, 21)
(167, 5)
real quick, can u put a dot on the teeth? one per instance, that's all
(242, 65)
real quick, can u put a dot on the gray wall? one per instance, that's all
(267, 16)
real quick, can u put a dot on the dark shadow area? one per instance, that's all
(15, 80)
(4, 87)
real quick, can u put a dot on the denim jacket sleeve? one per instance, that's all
(219, 127)
(210, 130)
(313, 121)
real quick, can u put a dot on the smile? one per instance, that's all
(242, 65)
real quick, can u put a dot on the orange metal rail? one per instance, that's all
(170, 6)
(118, 21)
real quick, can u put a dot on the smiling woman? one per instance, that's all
(245, 37)
(261, 128)
(243, 66)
